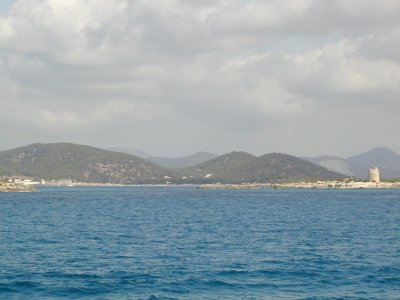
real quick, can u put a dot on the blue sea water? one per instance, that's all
(184, 243)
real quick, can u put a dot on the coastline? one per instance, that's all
(97, 184)
(21, 187)
(304, 185)
(12, 187)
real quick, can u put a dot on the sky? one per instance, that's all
(5, 5)
(173, 77)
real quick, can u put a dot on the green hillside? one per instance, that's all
(78, 162)
(89, 164)
(238, 167)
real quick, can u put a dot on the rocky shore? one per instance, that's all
(12, 187)
(305, 185)
(230, 186)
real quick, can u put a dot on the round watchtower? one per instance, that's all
(373, 175)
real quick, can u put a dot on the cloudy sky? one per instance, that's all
(172, 77)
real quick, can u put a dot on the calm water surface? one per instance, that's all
(183, 243)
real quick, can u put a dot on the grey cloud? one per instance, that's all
(218, 75)
(384, 45)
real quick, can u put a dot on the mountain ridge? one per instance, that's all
(78, 162)
(90, 164)
(384, 158)
(184, 161)
(272, 167)
(169, 162)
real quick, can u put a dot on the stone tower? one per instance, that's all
(373, 175)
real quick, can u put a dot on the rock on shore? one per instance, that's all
(305, 185)
(15, 187)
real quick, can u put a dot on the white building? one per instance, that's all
(373, 175)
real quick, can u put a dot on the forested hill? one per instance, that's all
(89, 164)
(80, 163)
(238, 167)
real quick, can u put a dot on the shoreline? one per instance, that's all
(93, 184)
(12, 187)
(21, 187)
(304, 185)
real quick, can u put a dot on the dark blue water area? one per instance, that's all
(185, 243)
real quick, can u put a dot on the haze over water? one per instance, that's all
(183, 243)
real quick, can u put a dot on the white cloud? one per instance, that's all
(235, 70)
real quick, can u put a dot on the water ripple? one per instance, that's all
(183, 243)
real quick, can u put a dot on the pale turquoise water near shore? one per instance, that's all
(183, 243)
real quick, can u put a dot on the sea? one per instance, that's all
(184, 243)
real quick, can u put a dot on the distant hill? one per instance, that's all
(333, 163)
(224, 164)
(385, 159)
(78, 162)
(182, 162)
(237, 167)
(169, 162)
(136, 152)
(89, 164)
